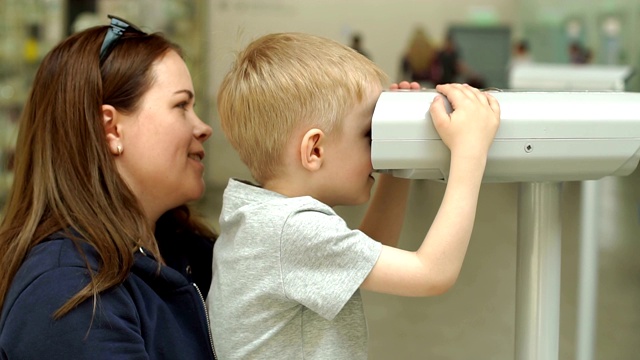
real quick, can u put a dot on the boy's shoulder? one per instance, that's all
(245, 196)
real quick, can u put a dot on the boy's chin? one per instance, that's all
(362, 200)
(352, 202)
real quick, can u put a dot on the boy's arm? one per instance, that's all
(385, 213)
(435, 266)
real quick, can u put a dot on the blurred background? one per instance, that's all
(476, 41)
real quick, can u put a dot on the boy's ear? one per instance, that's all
(312, 149)
(110, 120)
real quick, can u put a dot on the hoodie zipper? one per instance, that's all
(206, 312)
(204, 305)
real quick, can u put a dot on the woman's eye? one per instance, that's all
(183, 105)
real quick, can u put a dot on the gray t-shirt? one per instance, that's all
(286, 273)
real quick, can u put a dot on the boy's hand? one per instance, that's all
(405, 85)
(469, 130)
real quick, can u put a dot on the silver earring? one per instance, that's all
(119, 149)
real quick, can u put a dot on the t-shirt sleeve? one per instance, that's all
(323, 262)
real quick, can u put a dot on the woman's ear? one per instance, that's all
(112, 129)
(312, 149)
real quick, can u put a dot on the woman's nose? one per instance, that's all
(203, 131)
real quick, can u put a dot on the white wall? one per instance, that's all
(385, 24)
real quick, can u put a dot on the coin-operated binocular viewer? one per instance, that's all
(569, 77)
(544, 139)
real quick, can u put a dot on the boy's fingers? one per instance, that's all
(478, 94)
(405, 85)
(493, 103)
(453, 92)
(459, 94)
(456, 92)
(438, 111)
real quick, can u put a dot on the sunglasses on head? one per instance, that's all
(118, 27)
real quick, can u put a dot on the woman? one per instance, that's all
(101, 257)
(417, 61)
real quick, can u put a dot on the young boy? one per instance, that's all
(287, 269)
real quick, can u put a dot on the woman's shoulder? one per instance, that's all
(61, 250)
(50, 274)
(54, 271)
(58, 253)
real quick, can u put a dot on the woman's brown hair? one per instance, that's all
(65, 177)
(420, 53)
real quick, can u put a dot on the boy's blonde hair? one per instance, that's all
(282, 82)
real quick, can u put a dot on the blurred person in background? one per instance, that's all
(448, 66)
(521, 53)
(578, 54)
(356, 44)
(416, 63)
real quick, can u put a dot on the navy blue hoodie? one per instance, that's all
(150, 316)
